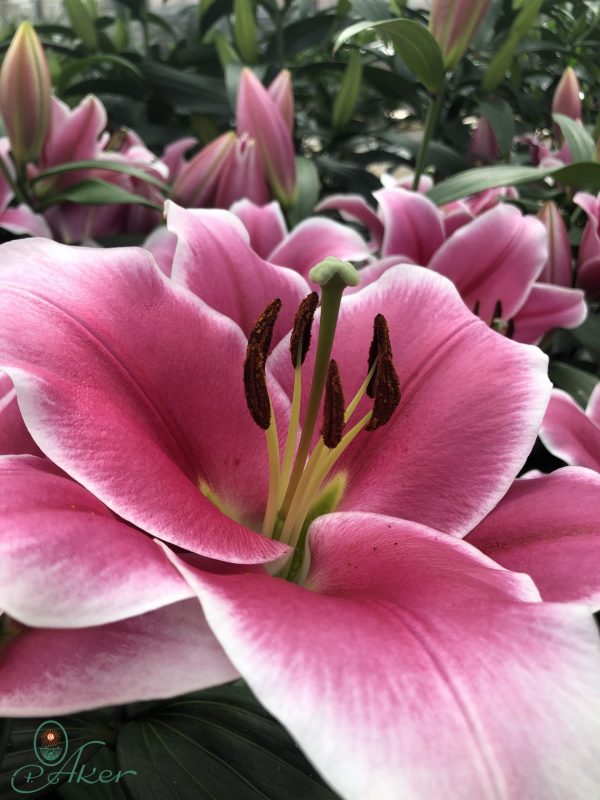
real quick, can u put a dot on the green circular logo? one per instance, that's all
(50, 742)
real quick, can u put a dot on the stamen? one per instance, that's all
(255, 381)
(302, 329)
(476, 308)
(497, 311)
(510, 329)
(333, 407)
(384, 386)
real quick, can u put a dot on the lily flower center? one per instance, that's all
(300, 483)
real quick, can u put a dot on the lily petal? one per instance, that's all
(14, 436)
(548, 527)
(315, 239)
(406, 629)
(354, 208)
(22, 219)
(413, 225)
(496, 257)
(66, 562)
(243, 284)
(116, 393)
(265, 224)
(568, 433)
(546, 308)
(157, 655)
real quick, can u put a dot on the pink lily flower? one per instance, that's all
(588, 272)
(166, 446)
(14, 436)
(242, 175)
(495, 260)
(266, 118)
(197, 181)
(571, 433)
(188, 465)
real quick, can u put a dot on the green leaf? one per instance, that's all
(82, 23)
(214, 745)
(502, 119)
(588, 333)
(111, 166)
(69, 71)
(244, 30)
(371, 9)
(302, 34)
(186, 92)
(95, 192)
(345, 101)
(583, 175)
(580, 143)
(500, 63)
(307, 180)
(412, 42)
(576, 382)
(103, 759)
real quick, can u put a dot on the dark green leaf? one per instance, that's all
(583, 175)
(588, 333)
(111, 166)
(412, 42)
(580, 143)
(302, 35)
(69, 71)
(307, 177)
(185, 91)
(502, 60)
(215, 745)
(103, 759)
(95, 192)
(576, 382)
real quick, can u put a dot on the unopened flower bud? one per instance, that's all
(25, 94)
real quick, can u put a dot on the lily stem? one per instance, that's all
(433, 114)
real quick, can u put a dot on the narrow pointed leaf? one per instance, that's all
(412, 42)
(580, 142)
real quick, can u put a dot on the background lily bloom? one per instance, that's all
(266, 116)
(497, 257)
(588, 272)
(571, 433)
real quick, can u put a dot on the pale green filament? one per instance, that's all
(293, 427)
(274, 479)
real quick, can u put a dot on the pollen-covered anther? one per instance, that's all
(333, 407)
(302, 329)
(384, 387)
(255, 379)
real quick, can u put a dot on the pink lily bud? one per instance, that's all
(558, 266)
(454, 23)
(280, 92)
(566, 98)
(258, 115)
(242, 175)
(197, 182)
(484, 145)
(25, 94)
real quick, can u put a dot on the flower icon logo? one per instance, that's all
(50, 742)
